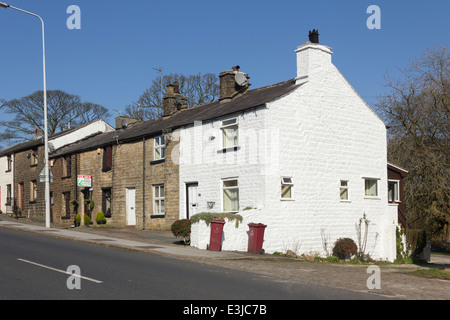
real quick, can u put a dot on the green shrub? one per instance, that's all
(87, 220)
(78, 218)
(208, 216)
(100, 216)
(344, 248)
(182, 228)
(333, 259)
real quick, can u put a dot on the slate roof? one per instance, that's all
(252, 99)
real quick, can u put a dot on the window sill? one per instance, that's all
(345, 201)
(157, 161)
(32, 202)
(8, 171)
(106, 169)
(372, 198)
(229, 149)
(393, 204)
(33, 165)
(287, 199)
(66, 177)
(158, 216)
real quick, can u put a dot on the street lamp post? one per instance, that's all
(46, 167)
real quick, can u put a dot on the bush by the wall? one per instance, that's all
(182, 228)
(416, 240)
(344, 248)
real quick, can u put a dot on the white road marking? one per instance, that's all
(61, 271)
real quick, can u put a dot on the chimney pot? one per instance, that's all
(314, 36)
(176, 87)
(236, 68)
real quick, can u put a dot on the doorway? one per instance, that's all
(191, 199)
(131, 206)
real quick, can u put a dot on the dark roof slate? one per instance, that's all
(252, 99)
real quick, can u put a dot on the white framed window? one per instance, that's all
(287, 184)
(230, 135)
(160, 148)
(343, 191)
(33, 190)
(230, 195)
(393, 191)
(371, 187)
(158, 200)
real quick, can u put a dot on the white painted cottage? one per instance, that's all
(306, 157)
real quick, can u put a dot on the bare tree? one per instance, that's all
(417, 113)
(198, 89)
(63, 109)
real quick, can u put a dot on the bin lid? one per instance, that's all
(257, 225)
(219, 221)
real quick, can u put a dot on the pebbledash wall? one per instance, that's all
(319, 134)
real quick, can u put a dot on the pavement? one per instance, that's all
(397, 281)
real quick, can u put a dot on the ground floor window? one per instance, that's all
(230, 195)
(66, 202)
(106, 202)
(371, 187)
(393, 191)
(158, 200)
(344, 190)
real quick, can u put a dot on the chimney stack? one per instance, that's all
(313, 59)
(229, 86)
(38, 134)
(173, 100)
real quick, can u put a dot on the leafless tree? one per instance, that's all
(417, 113)
(63, 109)
(198, 89)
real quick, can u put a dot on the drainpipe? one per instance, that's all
(143, 183)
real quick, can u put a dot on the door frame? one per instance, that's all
(189, 184)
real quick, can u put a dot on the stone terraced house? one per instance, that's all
(306, 157)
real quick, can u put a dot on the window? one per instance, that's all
(230, 195)
(230, 133)
(33, 191)
(158, 200)
(67, 166)
(393, 191)
(371, 187)
(66, 199)
(107, 158)
(160, 148)
(8, 194)
(34, 157)
(344, 190)
(286, 187)
(106, 202)
(8, 164)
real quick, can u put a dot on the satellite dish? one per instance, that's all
(241, 79)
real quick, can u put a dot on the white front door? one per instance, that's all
(131, 206)
(192, 199)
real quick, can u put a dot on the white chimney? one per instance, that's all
(312, 58)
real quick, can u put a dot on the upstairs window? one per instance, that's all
(160, 148)
(230, 136)
(107, 158)
(34, 157)
(8, 164)
(67, 166)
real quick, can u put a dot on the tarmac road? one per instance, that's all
(396, 280)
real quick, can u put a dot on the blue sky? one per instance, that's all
(110, 60)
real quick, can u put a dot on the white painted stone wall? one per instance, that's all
(321, 133)
(79, 134)
(6, 177)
